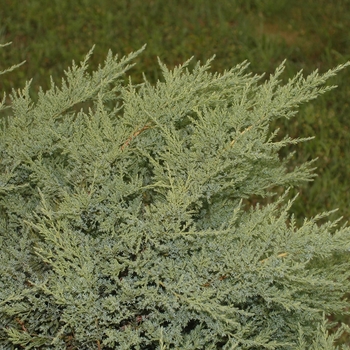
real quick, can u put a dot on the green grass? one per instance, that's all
(310, 34)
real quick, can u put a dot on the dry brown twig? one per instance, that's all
(136, 133)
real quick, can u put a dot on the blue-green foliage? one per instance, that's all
(122, 221)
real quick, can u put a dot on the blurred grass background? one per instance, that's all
(309, 33)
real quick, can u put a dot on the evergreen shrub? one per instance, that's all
(124, 222)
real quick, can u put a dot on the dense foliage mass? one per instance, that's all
(123, 225)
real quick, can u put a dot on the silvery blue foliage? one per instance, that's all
(124, 225)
